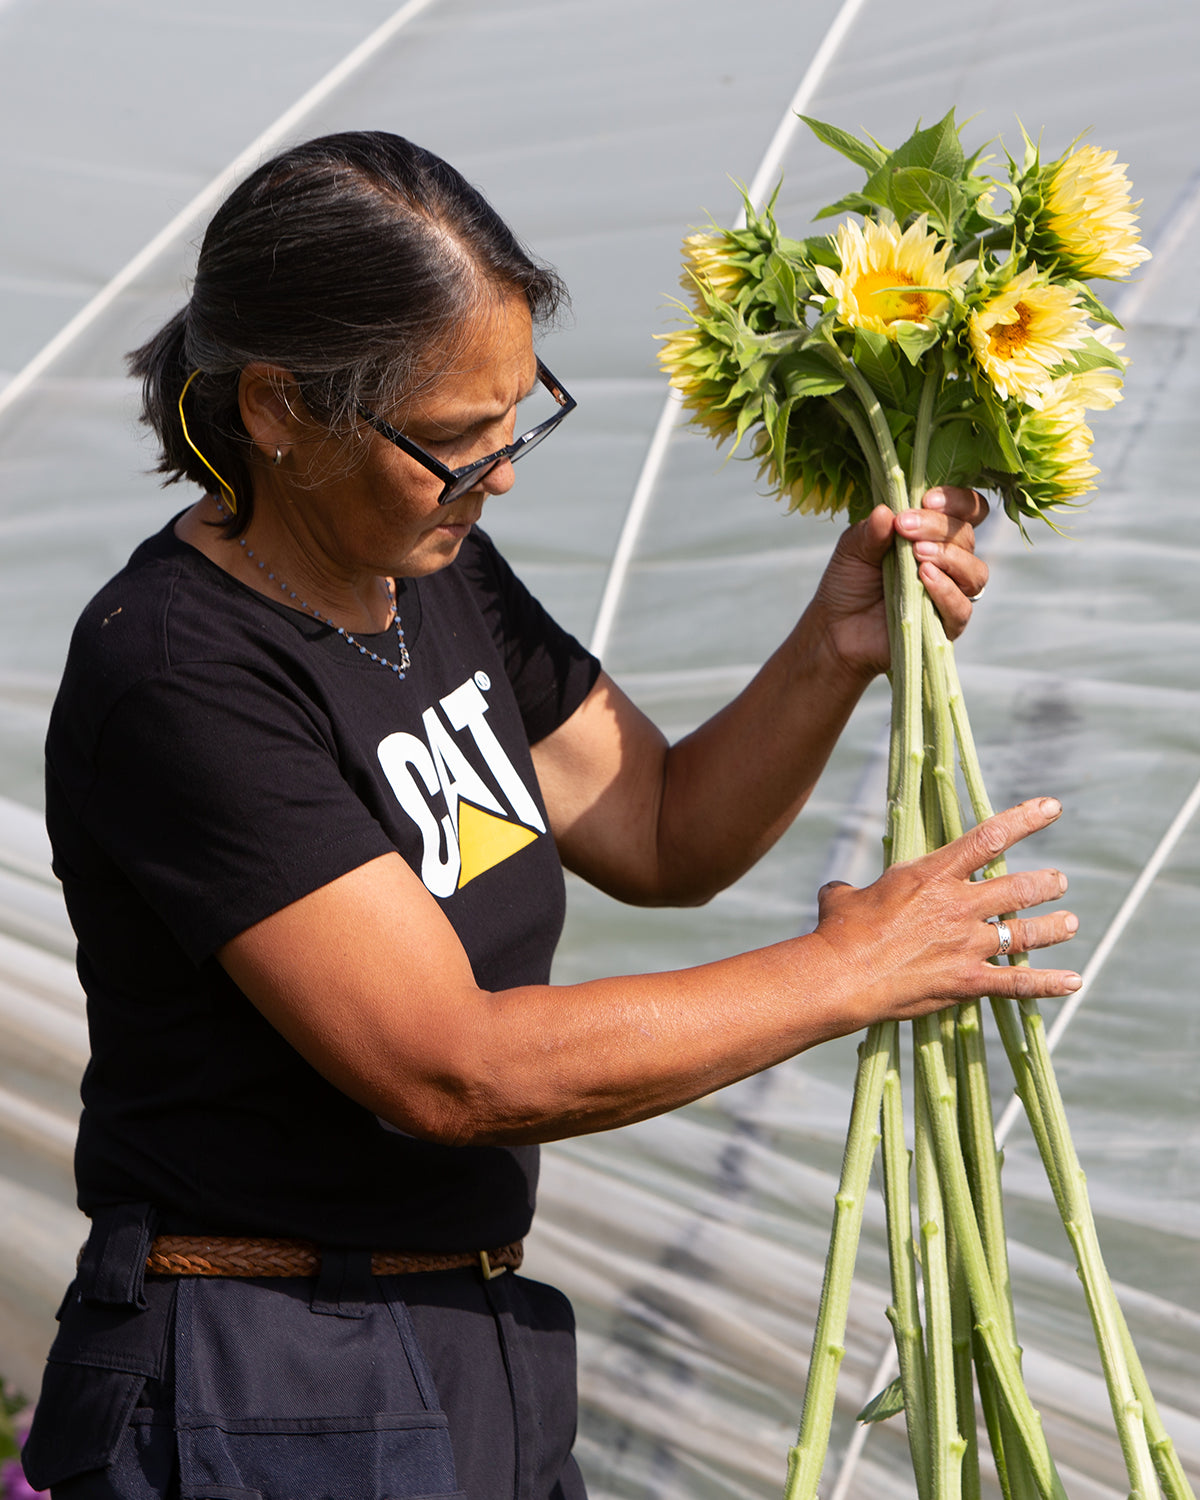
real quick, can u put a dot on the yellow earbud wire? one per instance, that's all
(231, 498)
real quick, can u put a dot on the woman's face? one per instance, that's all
(379, 513)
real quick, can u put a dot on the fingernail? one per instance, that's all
(1050, 807)
(1072, 982)
(925, 551)
(908, 520)
(1072, 924)
(1062, 883)
(934, 500)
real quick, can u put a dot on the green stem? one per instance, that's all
(1134, 1411)
(934, 1082)
(990, 239)
(807, 1458)
(1166, 1461)
(962, 1322)
(858, 425)
(946, 1443)
(1080, 1225)
(978, 1133)
(961, 1317)
(904, 1313)
(923, 431)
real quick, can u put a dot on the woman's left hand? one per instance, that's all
(943, 537)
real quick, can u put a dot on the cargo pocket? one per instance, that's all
(97, 1368)
(82, 1415)
(274, 1401)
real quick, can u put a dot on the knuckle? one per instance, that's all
(1024, 935)
(991, 839)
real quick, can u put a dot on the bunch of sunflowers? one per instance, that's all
(941, 294)
(948, 338)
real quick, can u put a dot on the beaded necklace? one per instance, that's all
(400, 668)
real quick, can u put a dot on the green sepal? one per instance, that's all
(1092, 356)
(779, 288)
(1096, 308)
(817, 250)
(888, 1402)
(867, 157)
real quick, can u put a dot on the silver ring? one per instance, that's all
(975, 598)
(1003, 932)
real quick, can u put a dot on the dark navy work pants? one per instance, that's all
(342, 1387)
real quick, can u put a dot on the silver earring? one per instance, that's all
(278, 457)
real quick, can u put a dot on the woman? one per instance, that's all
(314, 764)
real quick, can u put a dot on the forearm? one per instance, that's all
(543, 1063)
(735, 784)
(388, 1010)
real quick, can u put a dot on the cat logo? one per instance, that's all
(477, 831)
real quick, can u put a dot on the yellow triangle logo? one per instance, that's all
(484, 841)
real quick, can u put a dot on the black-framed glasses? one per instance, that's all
(456, 482)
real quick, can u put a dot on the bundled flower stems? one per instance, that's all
(947, 338)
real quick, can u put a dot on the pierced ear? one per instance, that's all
(272, 408)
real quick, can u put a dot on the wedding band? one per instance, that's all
(975, 598)
(1004, 933)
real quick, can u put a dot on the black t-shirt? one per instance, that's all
(212, 757)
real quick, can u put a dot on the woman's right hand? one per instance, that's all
(919, 939)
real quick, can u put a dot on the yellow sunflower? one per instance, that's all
(695, 367)
(1100, 389)
(1089, 217)
(1024, 331)
(1057, 441)
(706, 259)
(877, 263)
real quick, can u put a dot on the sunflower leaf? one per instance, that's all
(803, 374)
(875, 355)
(1008, 454)
(914, 339)
(852, 203)
(849, 145)
(917, 190)
(886, 1403)
(959, 453)
(938, 148)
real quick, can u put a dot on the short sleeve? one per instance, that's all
(550, 671)
(220, 799)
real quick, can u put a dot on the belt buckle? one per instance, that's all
(485, 1265)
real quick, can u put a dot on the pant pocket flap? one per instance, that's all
(80, 1417)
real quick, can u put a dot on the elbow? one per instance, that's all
(460, 1105)
(446, 1117)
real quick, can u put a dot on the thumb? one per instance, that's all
(827, 896)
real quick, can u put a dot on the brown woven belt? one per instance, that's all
(229, 1255)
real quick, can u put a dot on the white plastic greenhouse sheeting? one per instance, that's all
(691, 1245)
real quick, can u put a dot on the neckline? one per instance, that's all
(408, 604)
